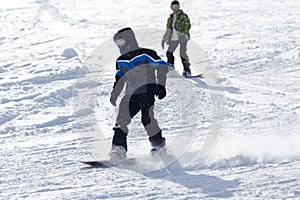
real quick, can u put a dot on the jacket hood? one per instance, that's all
(129, 42)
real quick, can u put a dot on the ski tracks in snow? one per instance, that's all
(43, 44)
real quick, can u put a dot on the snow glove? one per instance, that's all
(161, 91)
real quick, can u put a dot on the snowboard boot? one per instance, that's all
(158, 149)
(117, 154)
(119, 146)
(186, 74)
(186, 69)
(171, 66)
(158, 144)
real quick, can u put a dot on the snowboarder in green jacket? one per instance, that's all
(177, 33)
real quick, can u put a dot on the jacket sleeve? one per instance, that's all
(187, 25)
(167, 35)
(118, 84)
(162, 71)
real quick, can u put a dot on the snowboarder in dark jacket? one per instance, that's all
(177, 33)
(144, 74)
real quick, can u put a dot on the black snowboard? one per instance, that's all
(108, 163)
(196, 76)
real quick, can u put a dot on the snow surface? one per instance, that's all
(253, 45)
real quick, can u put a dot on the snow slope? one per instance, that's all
(254, 66)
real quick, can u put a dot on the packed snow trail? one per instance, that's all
(254, 46)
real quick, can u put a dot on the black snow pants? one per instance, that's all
(129, 107)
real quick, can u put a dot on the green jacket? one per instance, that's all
(182, 25)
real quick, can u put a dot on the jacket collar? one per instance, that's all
(179, 12)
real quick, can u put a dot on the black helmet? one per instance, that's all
(175, 3)
(125, 39)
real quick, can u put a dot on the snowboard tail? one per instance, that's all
(98, 164)
(196, 76)
(108, 163)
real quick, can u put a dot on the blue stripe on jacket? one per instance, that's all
(143, 57)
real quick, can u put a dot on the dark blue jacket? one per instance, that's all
(141, 69)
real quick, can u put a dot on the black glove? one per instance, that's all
(163, 44)
(113, 100)
(161, 91)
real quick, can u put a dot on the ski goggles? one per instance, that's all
(175, 7)
(120, 42)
